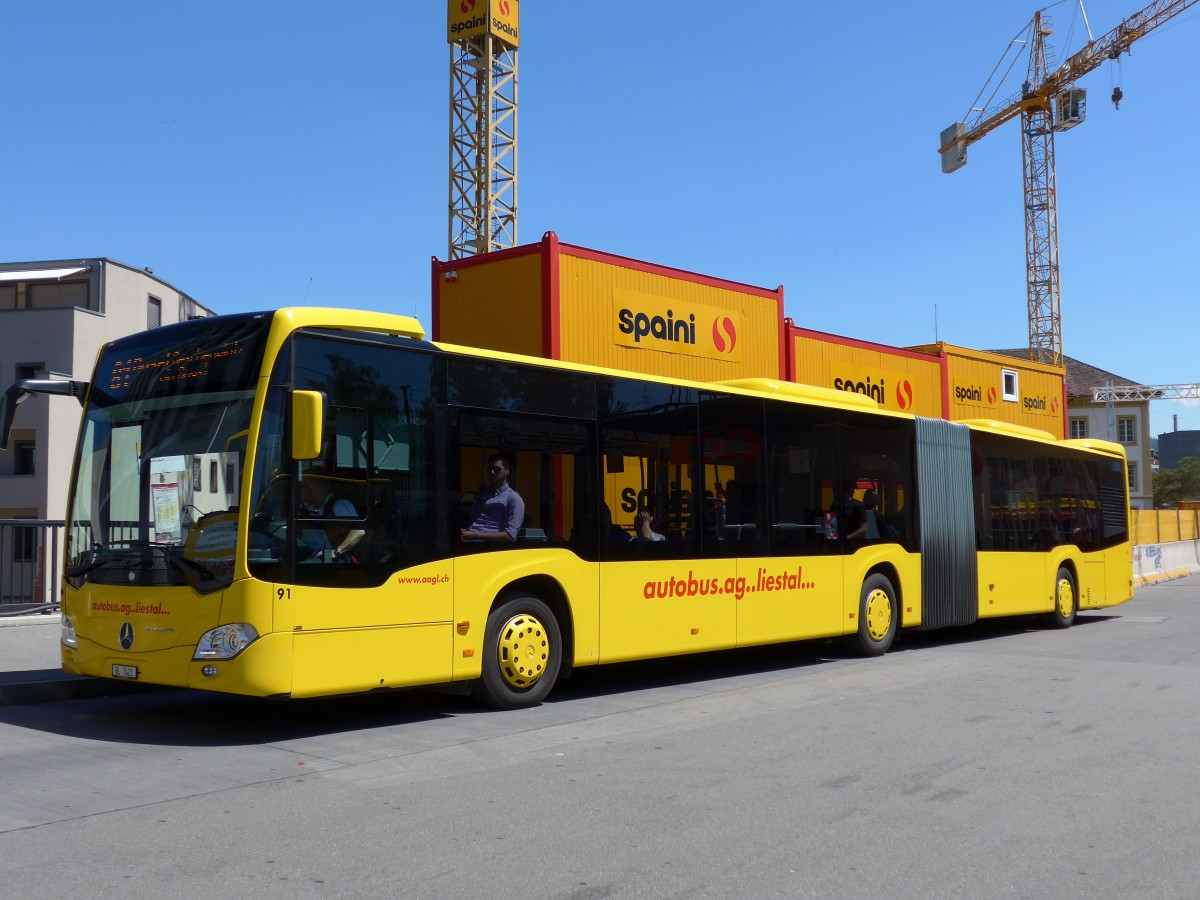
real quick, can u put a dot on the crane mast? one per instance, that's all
(1048, 103)
(1041, 212)
(483, 37)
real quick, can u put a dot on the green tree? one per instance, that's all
(1182, 483)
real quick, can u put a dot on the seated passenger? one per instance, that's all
(645, 525)
(498, 511)
(850, 512)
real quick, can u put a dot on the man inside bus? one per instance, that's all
(318, 501)
(498, 510)
(851, 514)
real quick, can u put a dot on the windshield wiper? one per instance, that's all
(189, 565)
(180, 562)
(84, 568)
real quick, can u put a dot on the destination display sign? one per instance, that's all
(182, 358)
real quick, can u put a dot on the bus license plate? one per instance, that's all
(124, 672)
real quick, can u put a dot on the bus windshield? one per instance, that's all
(163, 443)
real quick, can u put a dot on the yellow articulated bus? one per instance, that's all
(288, 504)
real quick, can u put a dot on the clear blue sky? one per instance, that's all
(259, 154)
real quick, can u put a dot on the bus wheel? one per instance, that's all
(522, 652)
(1065, 601)
(878, 617)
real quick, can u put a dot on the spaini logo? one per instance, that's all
(467, 6)
(904, 394)
(504, 7)
(724, 334)
(992, 396)
(1054, 404)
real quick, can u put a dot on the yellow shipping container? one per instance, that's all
(896, 379)
(982, 385)
(560, 301)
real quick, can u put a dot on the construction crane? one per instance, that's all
(483, 36)
(1047, 103)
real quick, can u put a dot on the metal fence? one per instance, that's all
(30, 565)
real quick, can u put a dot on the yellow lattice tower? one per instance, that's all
(484, 36)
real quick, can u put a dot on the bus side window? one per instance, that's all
(546, 459)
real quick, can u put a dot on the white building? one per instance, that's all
(1129, 425)
(54, 316)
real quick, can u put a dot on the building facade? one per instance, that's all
(54, 317)
(1175, 446)
(1127, 423)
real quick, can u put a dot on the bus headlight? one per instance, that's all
(225, 642)
(67, 633)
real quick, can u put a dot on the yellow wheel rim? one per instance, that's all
(878, 614)
(1066, 598)
(523, 650)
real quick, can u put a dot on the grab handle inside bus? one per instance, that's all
(308, 417)
(27, 386)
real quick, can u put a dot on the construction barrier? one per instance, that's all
(1166, 544)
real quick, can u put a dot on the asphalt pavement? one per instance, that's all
(31, 668)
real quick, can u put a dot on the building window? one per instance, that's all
(1125, 430)
(1008, 381)
(212, 476)
(1078, 428)
(23, 452)
(153, 312)
(63, 293)
(1133, 481)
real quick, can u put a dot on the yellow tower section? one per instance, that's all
(484, 36)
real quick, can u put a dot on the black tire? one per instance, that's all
(522, 653)
(878, 617)
(1066, 600)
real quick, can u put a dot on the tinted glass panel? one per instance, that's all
(549, 465)
(374, 484)
(1034, 497)
(734, 489)
(648, 440)
(878, 493)
(802, 447)
(486, 384)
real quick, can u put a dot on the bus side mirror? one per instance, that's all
(308, 417)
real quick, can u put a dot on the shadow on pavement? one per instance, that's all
(143, 714)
